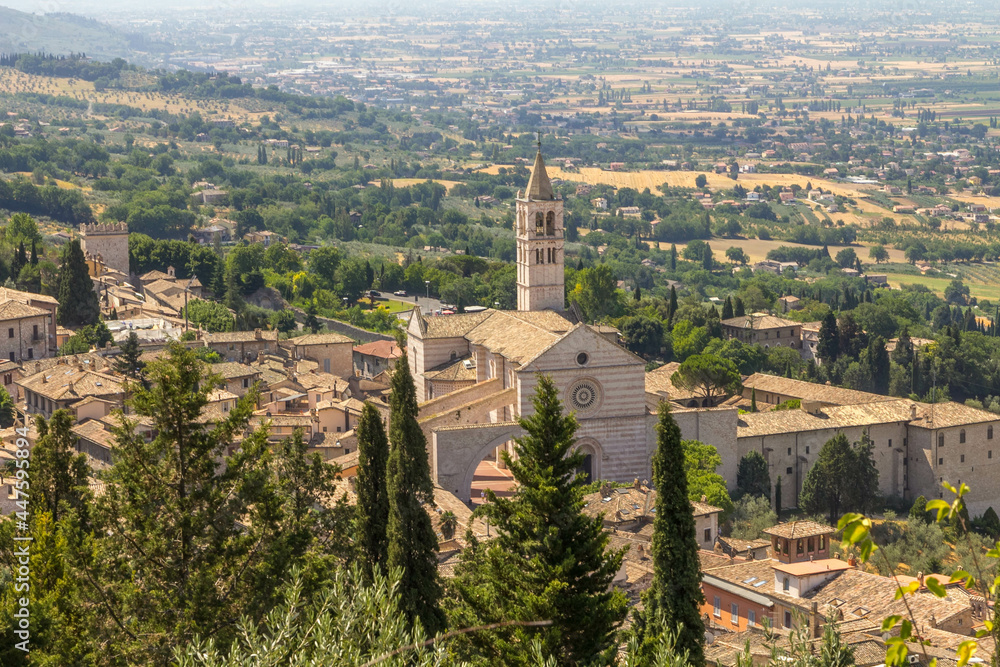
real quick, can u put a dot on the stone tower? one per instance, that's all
(109, 241)
(540, 243)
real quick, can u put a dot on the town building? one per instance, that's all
(109, 242)
(764, 330)
(376, 357)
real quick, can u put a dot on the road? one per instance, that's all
(427, 306)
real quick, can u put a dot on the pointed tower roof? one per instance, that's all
(539, 186)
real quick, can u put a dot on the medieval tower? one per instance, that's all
(540, 274)
(109, 241)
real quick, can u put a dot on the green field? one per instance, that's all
(937, 283)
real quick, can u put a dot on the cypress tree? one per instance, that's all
(412, 542)
(20, 259)
(675, 595)
(673, 257)
(549, 560)
(738, 309)
(753, 400)
(727, 309)
(78, 304)
(672, 304)
(372, 519)
(34, 253)
(58, 473)
(777, 498)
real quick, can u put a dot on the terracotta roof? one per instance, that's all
(742, 546)
(807, 568)
(810, 390)
(164, 287)
(951, 414)
(759, 322)
(330, 338)
(231, 369)
(15, 310)
(756, 424)
(153, 276)
(452, 371)
(658, 382)
(240, 336)
(384, 349)
(70, 383)
(450, 326)
(7, 293)
(794, 530)
(518, 336)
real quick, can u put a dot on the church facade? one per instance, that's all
(497, 356)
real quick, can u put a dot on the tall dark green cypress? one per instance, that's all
(549, 561)
(727, 309)
(675, 596)
(78, 304)
(372, 519)
(412, 542)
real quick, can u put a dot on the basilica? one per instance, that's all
(476, 372)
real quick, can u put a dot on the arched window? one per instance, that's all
(550, 224)
(961, 436)
(539, 222)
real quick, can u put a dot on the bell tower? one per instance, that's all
(539, 233)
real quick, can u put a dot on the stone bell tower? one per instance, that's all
(539, 232)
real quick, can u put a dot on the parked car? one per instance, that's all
(399, 292)
(374, 293)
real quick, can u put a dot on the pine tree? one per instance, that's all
(78, 304)
(127, 362)
(412, 542)
(549, 560)
(58, 472)
(675, 595)
(372, 518)
(179, 499)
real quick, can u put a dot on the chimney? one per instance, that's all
(913, 412)
(257, 334)
(814, 623)
(704, 498)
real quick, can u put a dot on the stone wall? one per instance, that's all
(109, 241)
(349, 330)
(457, 450)
(18, 341)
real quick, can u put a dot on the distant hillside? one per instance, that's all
(62, 34)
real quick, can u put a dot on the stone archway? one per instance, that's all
(591, 450)
(457, 451)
